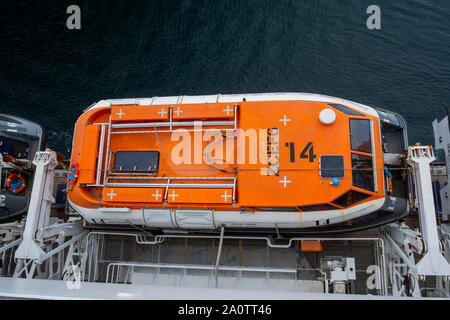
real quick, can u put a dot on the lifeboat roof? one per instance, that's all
(292, 152)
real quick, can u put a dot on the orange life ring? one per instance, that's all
(74, 173)
(18, 186)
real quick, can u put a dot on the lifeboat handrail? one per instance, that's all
(107, 154)
(173, 185)
(166, 191)
(173, 178)
(174, 124)
(170, 124)
(169, 184)
(101, 146)
(169, 131)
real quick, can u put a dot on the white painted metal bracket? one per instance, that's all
(433, 262)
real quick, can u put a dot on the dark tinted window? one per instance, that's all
(349, 198)
(345, 110)
(362, 171)
(360, 135)
(332, 166)
(7, 119)
(318, 207)
(15, 148)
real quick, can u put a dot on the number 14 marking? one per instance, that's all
(309, 146)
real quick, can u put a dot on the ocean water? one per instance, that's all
(144, 48)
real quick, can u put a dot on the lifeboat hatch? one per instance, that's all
(136, 161)
(332, 166)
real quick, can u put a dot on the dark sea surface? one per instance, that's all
(126, 49)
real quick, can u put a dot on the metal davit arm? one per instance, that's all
(433, 262)
(39, 208)
(33, 249)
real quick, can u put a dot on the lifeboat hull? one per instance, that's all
(282, 161)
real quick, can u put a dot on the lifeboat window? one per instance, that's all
(360, 135)
(362, 171)
(351, 197)
(7, 119)
(332, 166)
(345, 110)
(318, 207)
(15, 148)
(136, 161)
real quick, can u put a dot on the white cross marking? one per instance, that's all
(120, 114)
(227, 110)
(173, 195)
(178, 111)
(284, 181)
(285, 120)
(111, 194)
(225, 196)
(162, 112)
(156, 195)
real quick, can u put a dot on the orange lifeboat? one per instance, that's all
(287, 161)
